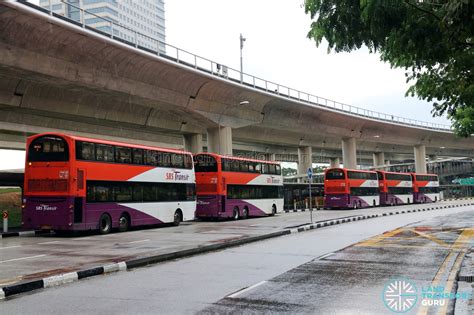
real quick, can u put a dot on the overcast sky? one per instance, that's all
(277, 49)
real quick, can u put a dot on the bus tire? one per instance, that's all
(274, 210)
(105, 224)
(245, 213)
(235, 213)
(124, 222)
(177, 218)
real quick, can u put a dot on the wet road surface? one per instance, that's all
(426, 255)
(26, 258)
(202, 282)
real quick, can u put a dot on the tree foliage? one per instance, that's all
(430, 39)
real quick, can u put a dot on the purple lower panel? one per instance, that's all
(48, 213)
(211, 206)
(336, 201)
(387, 199)
(93, 211)
(58, 214)
(253, 211)
(422, 198)
(208, 206)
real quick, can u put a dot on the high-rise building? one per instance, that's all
(144, 17)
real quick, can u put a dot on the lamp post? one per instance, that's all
(242, 40)
(219, 124)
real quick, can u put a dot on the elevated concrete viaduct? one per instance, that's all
(59, 76)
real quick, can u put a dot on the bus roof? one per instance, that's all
(101, 141)
(387, 172)
(215, 155)
(348, 169)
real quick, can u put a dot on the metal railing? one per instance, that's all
(159, 48)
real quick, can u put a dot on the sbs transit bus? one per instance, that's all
(75, 184)
(345, 188)
(425, 188)
(231, 187)
(395, 188)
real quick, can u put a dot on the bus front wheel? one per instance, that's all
(105, 224)
(178, 217)
(235, 214)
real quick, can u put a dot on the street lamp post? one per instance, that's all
(242, 40)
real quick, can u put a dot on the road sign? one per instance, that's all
(5, 214)
(310, 173)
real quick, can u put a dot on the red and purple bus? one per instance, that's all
(76, 184)
(425, 188)
(231, 187)
(345, 188)
(395, 188)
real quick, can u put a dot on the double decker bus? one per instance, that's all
(231, 187)
(345, 188)
(395, 188)
(76, 184)
(425, 188)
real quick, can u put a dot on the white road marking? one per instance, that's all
(16, 259)
(140, 241)
(233, 295)
(16, 246)
(327, 255)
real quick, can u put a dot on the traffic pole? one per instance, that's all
(310, 203)
(5, 221)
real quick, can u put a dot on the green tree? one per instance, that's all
(430, 39)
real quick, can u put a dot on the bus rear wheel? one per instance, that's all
(245, 213)
(105, 224)
(124, 222)
(177, 218)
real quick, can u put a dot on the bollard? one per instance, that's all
(5, 221)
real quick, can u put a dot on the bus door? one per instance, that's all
(224, 194)
(79, 196)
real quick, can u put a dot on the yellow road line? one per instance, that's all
(432, 238)
(372, 241)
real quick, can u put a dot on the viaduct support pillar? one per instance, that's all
(305, 160)
(193, 143)
(219, 140)
(420, 158)
(334, 162)
(379, 159)
(349, 153)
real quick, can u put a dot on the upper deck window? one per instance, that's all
(48, 149)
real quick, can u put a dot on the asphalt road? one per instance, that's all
(26, 258)
(195, 284)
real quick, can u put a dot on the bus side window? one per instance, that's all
(177, 160)
(278, 170)
(123, 155)
(244, 166)
(188, 162)
(85, 151)
(258, 168)
(265, 169)
(271, 168)
(251, 167)
(138, 156)
(235, 166)
(104, 153)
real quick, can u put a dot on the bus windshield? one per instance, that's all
(335, 174)
(205, 163)
(48, 149)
